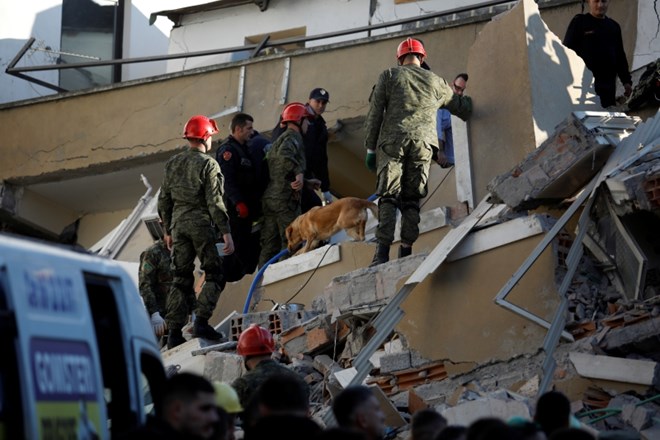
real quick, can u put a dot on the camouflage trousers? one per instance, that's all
(277, 215)
(190, 240)
(403, 173)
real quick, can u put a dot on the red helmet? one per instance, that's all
(410, 45)
(296, 112)
(255, 340)
(200, 127)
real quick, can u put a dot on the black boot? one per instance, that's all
(202, 329)
(405, 251)
(174, 338)
(382, 255)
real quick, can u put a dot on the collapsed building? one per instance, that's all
(548, 282)
(536, 267)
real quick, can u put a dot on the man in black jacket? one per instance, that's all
(242, 196)
(596, 38)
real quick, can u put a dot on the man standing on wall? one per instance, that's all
(400, 140)
(597, 39)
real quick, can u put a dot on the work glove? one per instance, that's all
(370, 161)
(327, 197)
(242, 210)
(158, 324)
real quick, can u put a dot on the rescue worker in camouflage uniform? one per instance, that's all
(191, 207)
(155, 281)
(401, 142)
(256, 345)
(242, 196)
(286, 164)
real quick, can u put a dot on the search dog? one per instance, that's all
(322, 222)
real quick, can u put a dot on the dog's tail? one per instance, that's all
(373, 207)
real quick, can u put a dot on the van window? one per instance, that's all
(11, 402)
(152, 383)
(108, 329)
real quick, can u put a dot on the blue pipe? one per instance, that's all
(257, 277)
(372, 197)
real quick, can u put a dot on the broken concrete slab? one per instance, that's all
(641, 337)
(182, 356)
(562, 165)
(395, 361)
(637, 187)
(467, 412)
(368, 285)
(617, 369)
(224, 367)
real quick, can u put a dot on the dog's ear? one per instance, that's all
(289, 229)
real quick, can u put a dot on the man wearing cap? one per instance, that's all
(316, 149)
(401, 139)
(315, 141)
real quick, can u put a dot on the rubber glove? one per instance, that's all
(370, 160)
(327, 197)
(158, 324)
(242, 210)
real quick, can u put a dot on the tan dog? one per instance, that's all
(322, 222)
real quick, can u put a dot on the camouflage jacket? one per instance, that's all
(192, 190)
(286, 159)
(155, 277)
(404, 103)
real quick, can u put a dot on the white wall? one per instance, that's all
(41, 19)
(388, 11)
(143, 40)
(20, 20)
(225, 28)
(647, 48)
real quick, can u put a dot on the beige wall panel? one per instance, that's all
(93, 227)
(452, 315)
(263, 89)
(500, 130)
(43, 212)
(99, 128)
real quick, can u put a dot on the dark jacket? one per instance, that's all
(241, 179)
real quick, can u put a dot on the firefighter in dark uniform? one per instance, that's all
(242, 197)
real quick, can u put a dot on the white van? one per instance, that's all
(79, 359)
